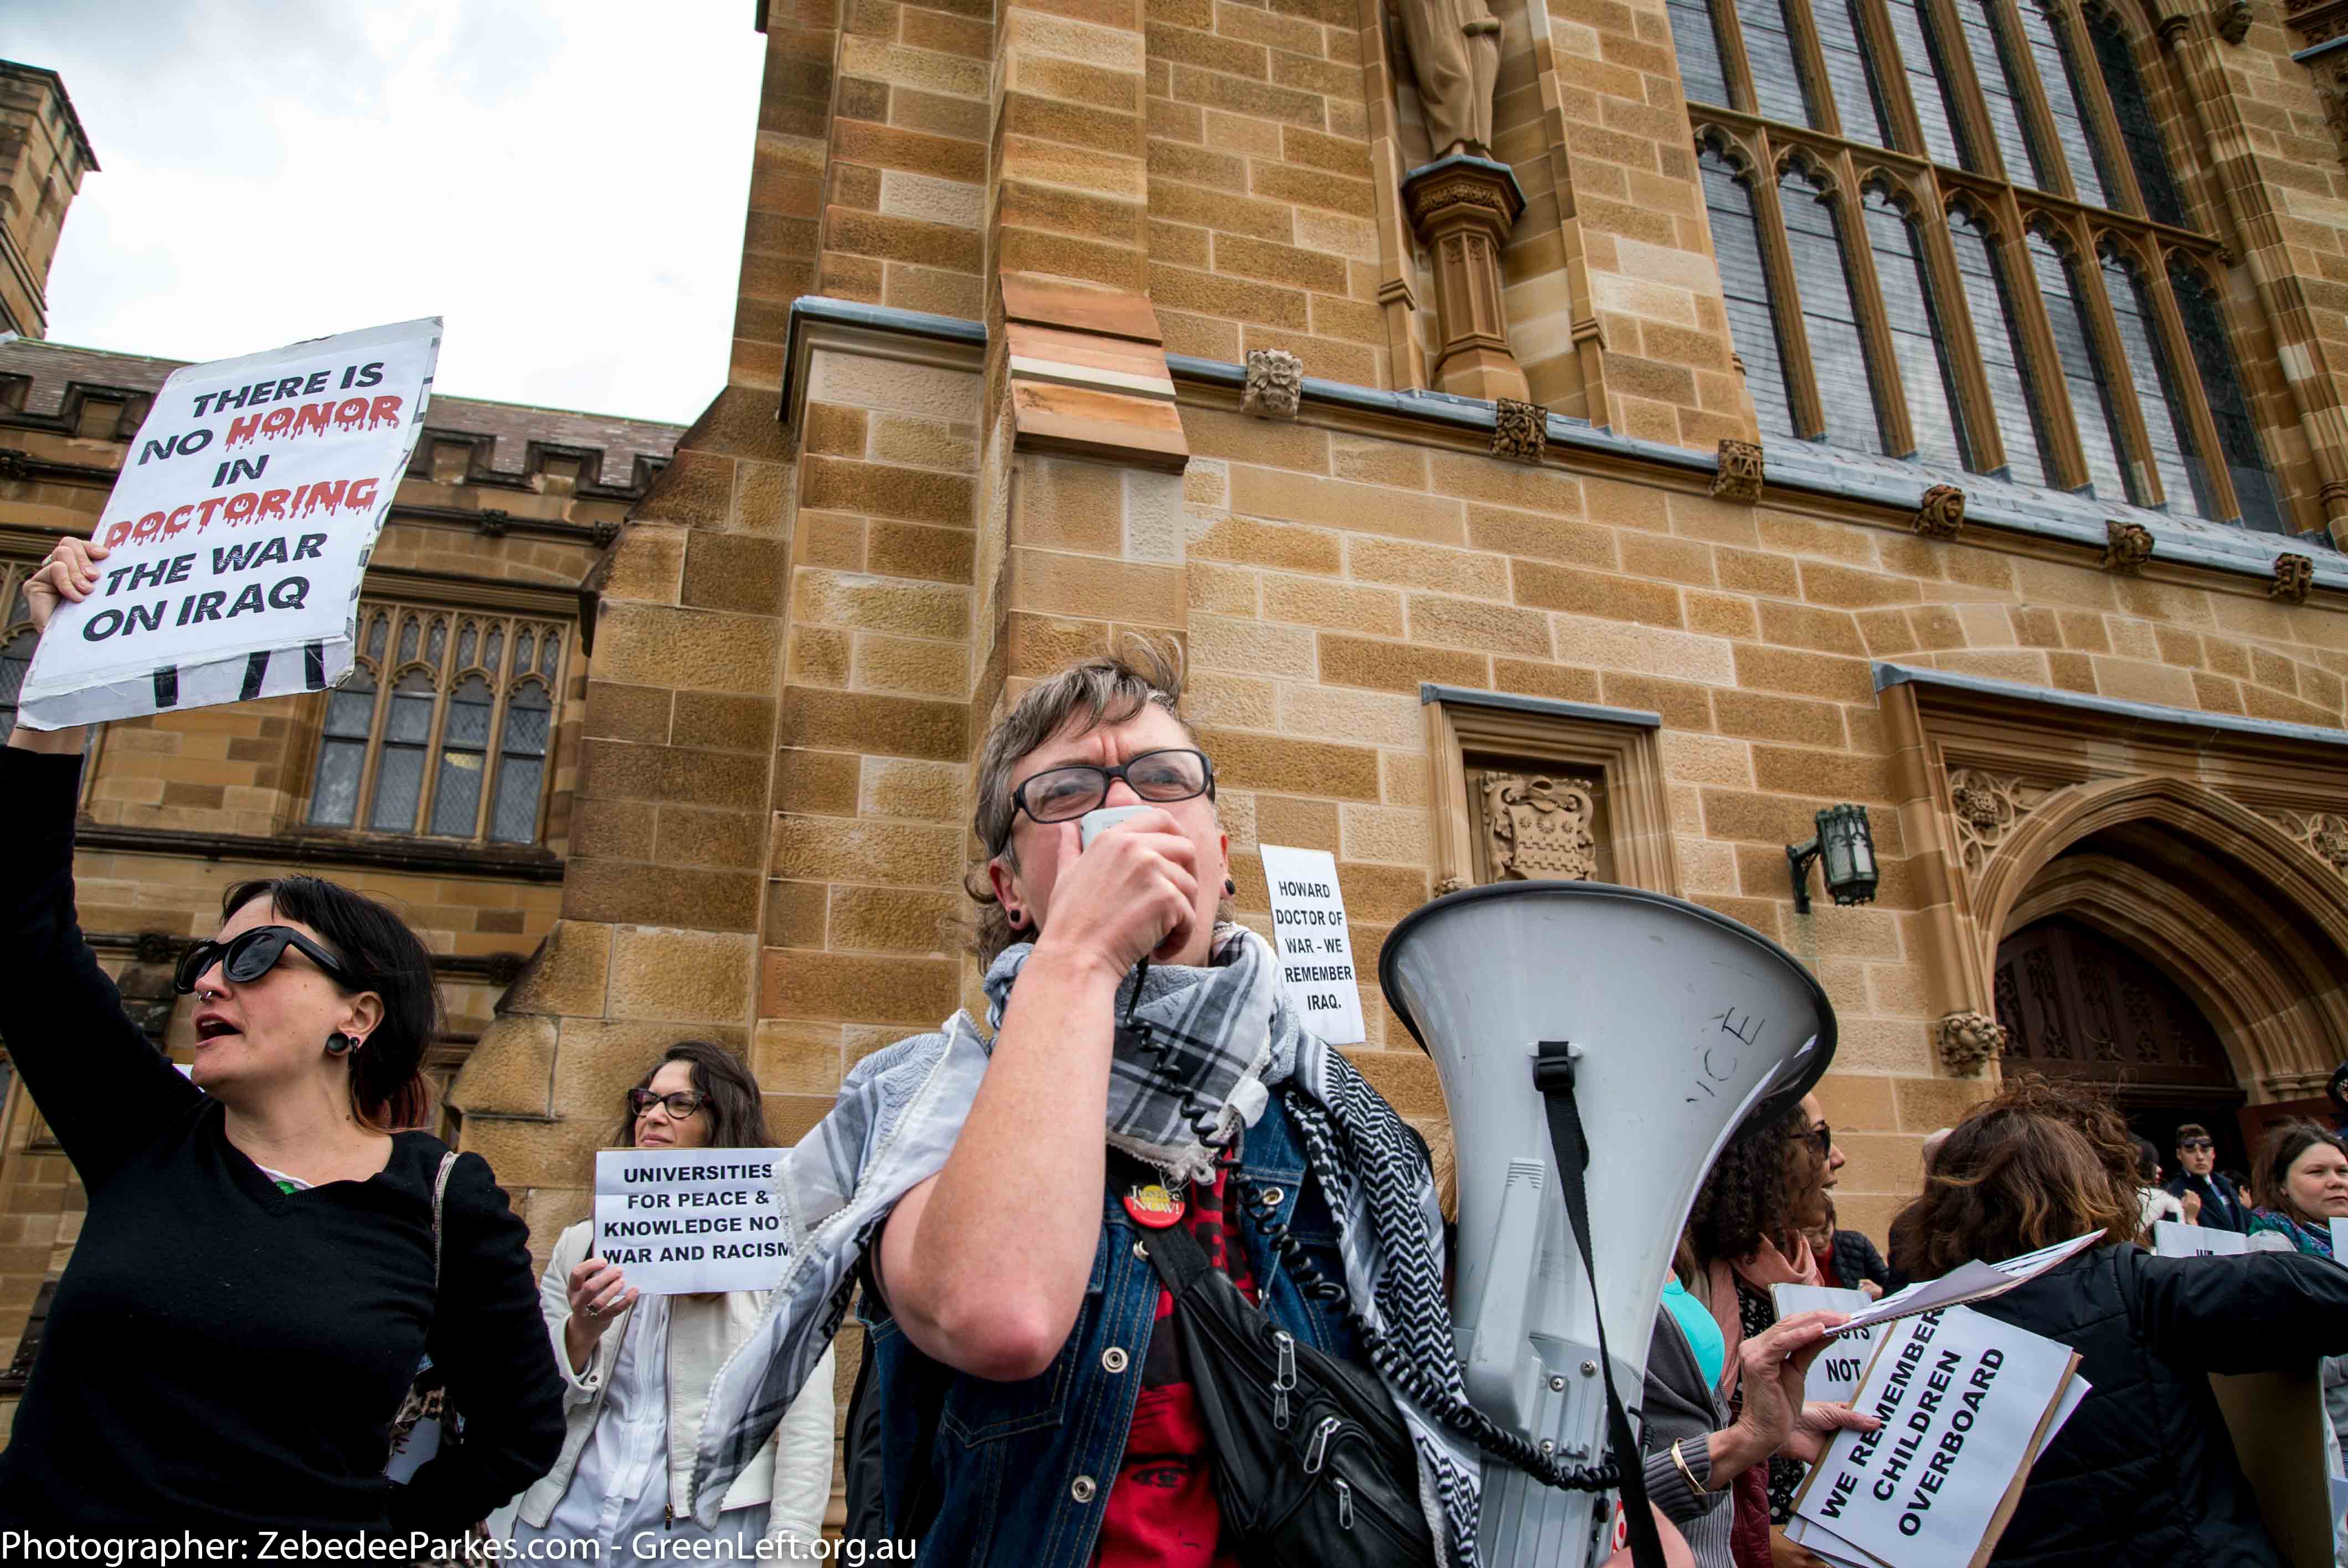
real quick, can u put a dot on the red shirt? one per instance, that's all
(1161, 1510)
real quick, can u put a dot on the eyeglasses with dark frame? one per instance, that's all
(249, 955)
(2195, 1145)
(1823, 1137)
(679, 1105)
(1160, 778)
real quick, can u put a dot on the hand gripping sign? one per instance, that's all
(238, 531)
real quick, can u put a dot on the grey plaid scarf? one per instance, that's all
(1218, 1041)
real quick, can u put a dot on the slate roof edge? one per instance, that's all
(2238, 552)
(1888, 675)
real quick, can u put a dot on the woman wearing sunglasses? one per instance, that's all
(637, 1369)
(258, 1278)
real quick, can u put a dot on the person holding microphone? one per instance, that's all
(271, 1247)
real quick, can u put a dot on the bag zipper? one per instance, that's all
(1344, 1503)
(1283, 1376)
(1319, 1448)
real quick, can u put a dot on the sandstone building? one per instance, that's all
(1935, 406)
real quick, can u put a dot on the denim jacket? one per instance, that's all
(1020, 1472)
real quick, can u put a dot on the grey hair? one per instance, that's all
(1108, 688)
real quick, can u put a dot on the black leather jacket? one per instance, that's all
(2144, 1474)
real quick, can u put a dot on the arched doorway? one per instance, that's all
(2078, 1003)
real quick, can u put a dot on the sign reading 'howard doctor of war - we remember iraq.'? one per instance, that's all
(1315, 944)
(238, 531)
(680, 1221)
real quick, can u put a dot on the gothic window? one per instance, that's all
(16, 640)
(1744, 283)
(1997, 330)
(1917, 339)
(1814, 237)
(443, 728)
(1998, 340)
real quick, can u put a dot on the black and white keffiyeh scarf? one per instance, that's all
(1216, 1043)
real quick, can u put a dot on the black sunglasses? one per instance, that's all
(249, 955)
(1064, 794)
(1823, 1137)
(2193, 1145)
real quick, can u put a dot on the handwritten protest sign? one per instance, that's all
(240, 530)
(1965, 1403)
(2170, 1239)
(679, 1221)
(1968, 1282)
(1315, 947)
(1834, 1375)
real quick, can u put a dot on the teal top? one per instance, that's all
(1702, 1334)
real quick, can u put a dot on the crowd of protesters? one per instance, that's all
(1068, 1229)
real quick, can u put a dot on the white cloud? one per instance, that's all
(564, 180)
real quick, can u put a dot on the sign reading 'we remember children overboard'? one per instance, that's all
(238, 531)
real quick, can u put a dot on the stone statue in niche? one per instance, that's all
(1537, 827)
(1455, 58)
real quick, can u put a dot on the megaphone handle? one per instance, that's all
(1553, 1076)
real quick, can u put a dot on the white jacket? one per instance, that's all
(793, 1475)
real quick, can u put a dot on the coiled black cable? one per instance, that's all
(1454, 1412)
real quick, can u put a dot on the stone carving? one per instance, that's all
(604, 533)
(1519, 431)
(15, 464)
(1275, 383)
(2331, 74)
(1739, 478)
(2294, 575)
(1940, 515)
(492, 522)
(157, 948)
(2323, 835)
(1455, 59)
(1969, 1041)
(1461, 210)
(2233, 20)
(1986, 808)
(1447, 886)
(2126, 546)
(1538, 827)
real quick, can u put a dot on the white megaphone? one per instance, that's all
(1680, 1026)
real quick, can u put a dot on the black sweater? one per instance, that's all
(221, 1356)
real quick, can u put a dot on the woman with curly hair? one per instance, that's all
(1725, 1376)
(2143, 1473)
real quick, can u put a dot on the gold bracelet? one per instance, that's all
(1694, 1485)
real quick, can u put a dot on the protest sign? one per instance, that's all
(2276, 1421)
(1315, 947)
(2170, 1239)
(1834, 1375)
(238, 531)
(2339, 1241)
(1968, 1282)
(679, 1221)
(1965, 1403)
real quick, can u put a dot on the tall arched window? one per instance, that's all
(1814, 237)
(1959, 344)
(16, 642)
(1998, 332)
(443, 727)
(1744, 285)
(1917, 341)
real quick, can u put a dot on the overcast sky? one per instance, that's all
(564, 181)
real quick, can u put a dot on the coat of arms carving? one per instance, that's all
(1537, 827)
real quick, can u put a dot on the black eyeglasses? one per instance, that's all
(1823, 1137)
(2195, 1145)
(249, 955)
(680, 1104)
(1064, 794)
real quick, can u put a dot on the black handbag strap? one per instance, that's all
(1177, 1256)
(1553, 1076)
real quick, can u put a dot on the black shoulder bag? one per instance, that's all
(1312, 1463)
